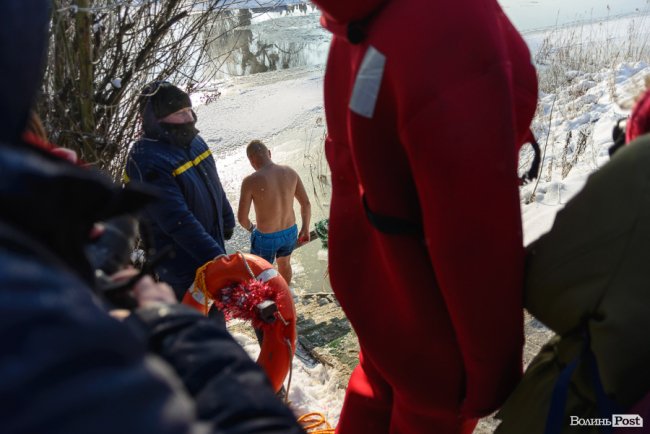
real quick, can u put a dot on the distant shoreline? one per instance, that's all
(586, 22)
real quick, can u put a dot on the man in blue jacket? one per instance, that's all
(194, 215)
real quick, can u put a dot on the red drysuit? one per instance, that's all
(427, 104)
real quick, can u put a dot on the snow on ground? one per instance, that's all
(312, 389)
(285, 109)
(589, 107)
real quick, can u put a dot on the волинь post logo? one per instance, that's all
(617, 421)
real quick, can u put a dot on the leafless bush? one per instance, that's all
(314, 160)
(102, 54)
(573, 148)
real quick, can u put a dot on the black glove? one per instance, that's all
(618, 135)
(227, 233)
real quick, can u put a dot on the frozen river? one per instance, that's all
(262, 40)
(529, 15)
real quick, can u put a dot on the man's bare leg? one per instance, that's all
(284, 268)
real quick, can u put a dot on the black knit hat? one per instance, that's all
(165, 99)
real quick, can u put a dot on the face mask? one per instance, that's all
(180, 134)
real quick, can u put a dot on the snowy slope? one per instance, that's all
(588, 107)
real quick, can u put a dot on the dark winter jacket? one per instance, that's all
(591, 281)
(193, 213)
(66, 365)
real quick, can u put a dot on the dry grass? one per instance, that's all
(570, 61)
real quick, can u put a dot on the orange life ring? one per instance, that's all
(226, 271)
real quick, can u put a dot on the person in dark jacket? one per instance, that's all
(66, 365)
(194, 216)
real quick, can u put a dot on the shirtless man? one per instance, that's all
(272, 189)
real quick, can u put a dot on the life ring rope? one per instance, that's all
(207, 298)
(311, 421)
(248, 267)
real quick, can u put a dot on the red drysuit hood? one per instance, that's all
(639, 122)
(339, 12)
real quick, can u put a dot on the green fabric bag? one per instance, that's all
(591, 271)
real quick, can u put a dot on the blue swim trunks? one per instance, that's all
(276, 244)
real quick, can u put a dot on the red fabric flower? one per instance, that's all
(241, 301)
